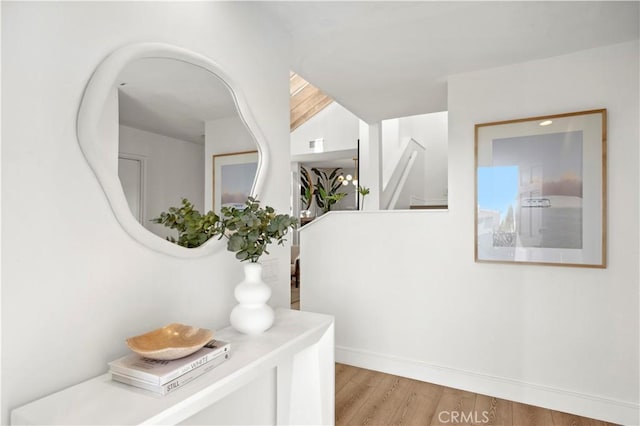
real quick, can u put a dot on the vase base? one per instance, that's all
(252, 319)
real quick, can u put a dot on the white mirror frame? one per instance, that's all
(96, 94)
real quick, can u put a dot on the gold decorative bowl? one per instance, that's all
(172, 341)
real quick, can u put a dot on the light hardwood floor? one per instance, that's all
(365, 397)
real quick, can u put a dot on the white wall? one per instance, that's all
(409, 299)
(174, 170)
(223, 136)
(74, 284)
(335, 124)
(370, 164)
(392, 148)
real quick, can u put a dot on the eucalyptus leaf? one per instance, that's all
(249, 230)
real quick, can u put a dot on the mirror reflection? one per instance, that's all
(175, 119)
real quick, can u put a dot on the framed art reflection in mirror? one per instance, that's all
(233, 176)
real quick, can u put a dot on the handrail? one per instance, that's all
(403, 180)
(394, 187)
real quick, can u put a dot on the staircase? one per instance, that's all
(306, 100)
(407, 179)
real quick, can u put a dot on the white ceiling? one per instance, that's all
(391, 59)
(381, 59)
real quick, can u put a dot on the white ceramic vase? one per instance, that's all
(252, 315)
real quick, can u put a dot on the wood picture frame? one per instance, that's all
(233, 178)
(540, 190)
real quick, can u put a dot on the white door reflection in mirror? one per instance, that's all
(176, 110)
(131, 173)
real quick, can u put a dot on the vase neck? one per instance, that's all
(253, 271)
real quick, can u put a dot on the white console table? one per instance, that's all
(297, 352)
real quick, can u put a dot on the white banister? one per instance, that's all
(394, 188)
(402, 181)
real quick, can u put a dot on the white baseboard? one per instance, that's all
(596, 407)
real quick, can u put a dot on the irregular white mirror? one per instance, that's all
(152, 119)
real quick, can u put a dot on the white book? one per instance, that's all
(176, 383)
(158, 372)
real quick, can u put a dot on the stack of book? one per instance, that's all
(166, 376)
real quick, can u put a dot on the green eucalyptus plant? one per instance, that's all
(248, 230)
(194, 228)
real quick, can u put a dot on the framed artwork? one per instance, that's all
(540, 190)
(233, 178)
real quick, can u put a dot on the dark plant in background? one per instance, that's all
(306, 188)
(331, 199)
(327, 188)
